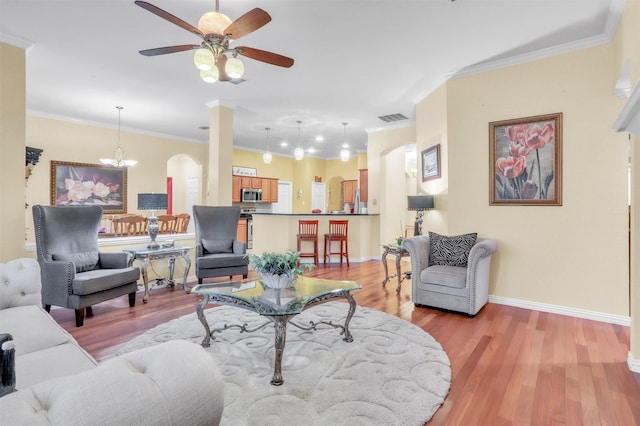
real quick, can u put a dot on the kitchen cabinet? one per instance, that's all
(269, 187)
(364, 185)
(242, 231)
(266, 190)
(256, 183)
(236, 189)
(274, 190)
(348, 191)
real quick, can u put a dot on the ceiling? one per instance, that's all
(354, 61)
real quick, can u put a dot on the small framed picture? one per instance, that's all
(431, 163)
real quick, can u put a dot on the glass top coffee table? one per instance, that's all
(278, 305)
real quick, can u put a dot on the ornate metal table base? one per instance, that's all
(399, 253)
(147, 255)
(279, 321)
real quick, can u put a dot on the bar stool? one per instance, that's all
(338, 231)
(308, 231)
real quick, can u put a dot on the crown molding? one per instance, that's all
(17, 41)
(219, 102)
(36, 113)
(613, 19)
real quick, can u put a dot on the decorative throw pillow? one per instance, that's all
(83, 261)
(450, 250)
(218, 246)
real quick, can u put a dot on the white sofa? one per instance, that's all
(59, 383)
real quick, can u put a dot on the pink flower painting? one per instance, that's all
(525, 159)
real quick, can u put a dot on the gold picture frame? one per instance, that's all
(525, 161)
(79, 184)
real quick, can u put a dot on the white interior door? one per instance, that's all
(318, 197)
(191, 199)
(285, 198)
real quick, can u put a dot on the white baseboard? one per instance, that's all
(634, 364)
(563, 310)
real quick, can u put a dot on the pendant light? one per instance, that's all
(344, 152)
(119, 160)
(298, 153)
(267, 157)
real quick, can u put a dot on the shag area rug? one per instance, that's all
(393, 373)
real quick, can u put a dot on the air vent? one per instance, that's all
(203, 127)
(392, 117)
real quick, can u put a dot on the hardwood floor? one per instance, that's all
(510, 366)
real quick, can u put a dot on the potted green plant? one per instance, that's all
(278, 270)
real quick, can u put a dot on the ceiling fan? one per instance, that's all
(216, 31)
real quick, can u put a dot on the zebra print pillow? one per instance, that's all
(450, 251)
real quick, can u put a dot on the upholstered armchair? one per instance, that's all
(218, 252)
(75, 274)
(450, 273)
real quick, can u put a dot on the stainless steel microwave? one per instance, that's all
(251, 195)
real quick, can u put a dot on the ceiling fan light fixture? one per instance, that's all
(210, 76)
(204, 59)
(234, 67)
(213, 23)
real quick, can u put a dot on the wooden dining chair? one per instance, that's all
(182, 223)
(128, 225)
(167, 224)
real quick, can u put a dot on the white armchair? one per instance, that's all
(458, 288)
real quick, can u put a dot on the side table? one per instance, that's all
(399, 252)
(147, 255)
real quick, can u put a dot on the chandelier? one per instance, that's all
(344, 152)
(298, 153)
(119, 160)
(267, 157)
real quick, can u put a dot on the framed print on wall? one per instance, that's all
(431, 163)
(525, 161)
(80, 184)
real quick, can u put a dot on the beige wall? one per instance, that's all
(574, 255)
(627, 47)
(12, 151)
(84, 143)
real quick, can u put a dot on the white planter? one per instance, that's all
(277, 281)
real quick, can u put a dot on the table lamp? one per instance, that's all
(419, 203)
(152, 202)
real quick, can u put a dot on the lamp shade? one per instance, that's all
(152, 202)
(420, 202)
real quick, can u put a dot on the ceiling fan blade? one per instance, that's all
(264, 56)
(169, 49)
(169, 17)
(247, 23)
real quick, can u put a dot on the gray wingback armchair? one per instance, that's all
(218, 252)
(74, 273)
(462, 289)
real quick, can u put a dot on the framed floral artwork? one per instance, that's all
(525, 161)
(79, 184)
(431, 163)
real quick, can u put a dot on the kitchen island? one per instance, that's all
(275, 232)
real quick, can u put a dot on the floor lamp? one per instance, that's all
(152, 202)
(419, 203)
